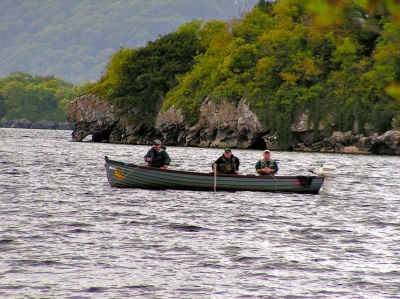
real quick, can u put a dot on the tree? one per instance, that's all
(34, 97)
(138, 79)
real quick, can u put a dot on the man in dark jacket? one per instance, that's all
(157, 156)
(227, 163)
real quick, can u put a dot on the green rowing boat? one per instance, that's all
(126, 175)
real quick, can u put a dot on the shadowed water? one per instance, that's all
(65, 233)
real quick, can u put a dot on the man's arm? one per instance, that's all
(167, 160)
(216, 162)
(148, 155)
(237, 164)
(276, 168)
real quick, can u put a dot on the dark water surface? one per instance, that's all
(65, 233)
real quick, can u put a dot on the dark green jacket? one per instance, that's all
(158, 159)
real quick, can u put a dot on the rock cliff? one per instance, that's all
(222, 125)
(219, 125)
(91, 116)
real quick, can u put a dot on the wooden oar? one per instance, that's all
(215, 177)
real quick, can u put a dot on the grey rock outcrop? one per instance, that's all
(388, 143)
(18, 123)
(94, 117)
(220, 125)
(41, 124)
(303, 133)
(91, 116)
(326, 140)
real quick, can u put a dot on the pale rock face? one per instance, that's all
(301, 124)
(171, 117)
(88, 108)
(388, 143)
(90, 116)
(304, 132)
(220, 125)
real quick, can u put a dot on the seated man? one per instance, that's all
(157, 156)
(266, 165)
(227, 163)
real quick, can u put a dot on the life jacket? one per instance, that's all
(227, 167)
(269, 163)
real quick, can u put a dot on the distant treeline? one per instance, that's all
(36, 98)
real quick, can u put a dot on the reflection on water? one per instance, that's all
(65, 233)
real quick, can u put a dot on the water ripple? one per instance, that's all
(65, 233)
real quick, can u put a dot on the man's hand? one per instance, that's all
(267, 170)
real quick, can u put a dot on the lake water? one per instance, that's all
(65, 233)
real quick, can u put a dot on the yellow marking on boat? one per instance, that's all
(119, 174)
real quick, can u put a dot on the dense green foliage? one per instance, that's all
(138, 79)
(342, 72)
(73, 40)
(23, 96)
(284, 64)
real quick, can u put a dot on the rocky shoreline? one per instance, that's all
(44, 124)
(220, 125)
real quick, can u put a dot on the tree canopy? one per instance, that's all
(23, 96)
(285, 63)
(138, 79)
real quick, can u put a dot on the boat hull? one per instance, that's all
(125, 175)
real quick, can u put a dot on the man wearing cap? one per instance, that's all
(266, 165)
(157, 156)
(227, 163)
